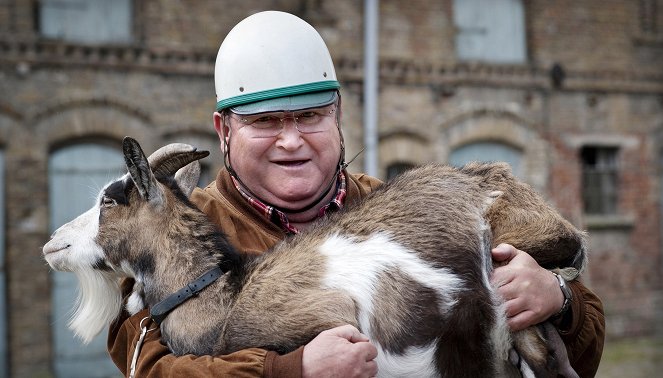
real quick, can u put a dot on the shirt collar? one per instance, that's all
(280, 218)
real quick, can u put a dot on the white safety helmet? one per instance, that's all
(273, 61)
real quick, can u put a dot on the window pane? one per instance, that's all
(490, 30)
(660, 188)
(206, 175)
(488, 152)
(3, 287)
(396, 169)
(76, 174)
(599, 175)
(86, 21)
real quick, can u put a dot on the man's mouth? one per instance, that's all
(290, 163)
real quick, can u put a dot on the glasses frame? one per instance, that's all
(285, 115)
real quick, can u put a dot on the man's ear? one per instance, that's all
(222, 129)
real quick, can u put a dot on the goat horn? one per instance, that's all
(167, 160)
(175, 158)
(165, 152)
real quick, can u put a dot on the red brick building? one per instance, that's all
(569, 92)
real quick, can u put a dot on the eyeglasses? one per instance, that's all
(268, 125)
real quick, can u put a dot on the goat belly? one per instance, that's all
(294, 307)
(285, 326)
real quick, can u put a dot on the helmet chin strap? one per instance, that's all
(341, 165)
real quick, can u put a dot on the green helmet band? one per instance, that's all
(276, 93)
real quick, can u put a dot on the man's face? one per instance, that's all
(288, 170)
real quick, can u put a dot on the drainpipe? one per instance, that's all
(371, 72)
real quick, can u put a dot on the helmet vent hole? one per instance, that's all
(241, 89)
(324, 74)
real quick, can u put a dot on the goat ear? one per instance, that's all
(140, 172)
(187, 177)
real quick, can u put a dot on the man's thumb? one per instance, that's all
(349, 333)
(503, 253)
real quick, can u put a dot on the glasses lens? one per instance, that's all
(263, 125)
(313, 120)
(267, 125)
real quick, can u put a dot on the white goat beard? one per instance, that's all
(99, 302)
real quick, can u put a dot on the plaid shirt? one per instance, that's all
(280, 219)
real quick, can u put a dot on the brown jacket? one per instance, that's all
(251, 233)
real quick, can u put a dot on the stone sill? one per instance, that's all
(649, 39)
(42, 52)
(440, 76)
(612, 221)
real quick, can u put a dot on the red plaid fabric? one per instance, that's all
(280, 219)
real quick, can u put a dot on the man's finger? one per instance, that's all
(370, 350)
(520, 321)
(349, 333)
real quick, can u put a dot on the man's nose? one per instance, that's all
(289, 137)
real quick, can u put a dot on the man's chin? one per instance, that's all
(294, 201)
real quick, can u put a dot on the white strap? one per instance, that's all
(139, 345)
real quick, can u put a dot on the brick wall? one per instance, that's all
(160, 89)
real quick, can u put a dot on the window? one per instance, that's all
(487, 152)
(660, 193)
(599, 180)
(76, 174)
(206, 175)
(86, 21)
(650, 14)
(490, 30)
(3, 287)
(396, 169)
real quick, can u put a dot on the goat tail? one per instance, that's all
(99, 302)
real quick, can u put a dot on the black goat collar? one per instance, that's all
(160, 310)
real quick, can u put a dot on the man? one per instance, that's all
(278, 120)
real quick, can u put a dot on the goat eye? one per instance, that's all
(107, 202)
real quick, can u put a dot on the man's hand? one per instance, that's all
(340, 352)
(531, 293)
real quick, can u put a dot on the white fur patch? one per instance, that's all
(99, 302)
(356, 272)
(526, 371)
(354, 266)
(73, 248)
(415, 362)
(500, 334)
(135, 303)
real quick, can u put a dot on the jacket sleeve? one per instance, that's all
(156, 360)
(585, 333)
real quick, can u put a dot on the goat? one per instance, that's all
(409, 266)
